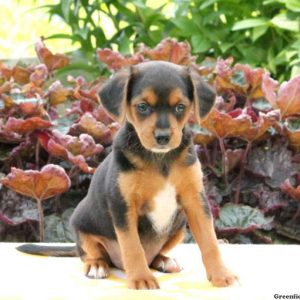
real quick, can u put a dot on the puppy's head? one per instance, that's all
(157, 98)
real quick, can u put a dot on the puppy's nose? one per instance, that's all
(162, 136)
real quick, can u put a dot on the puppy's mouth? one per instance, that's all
(160, 149)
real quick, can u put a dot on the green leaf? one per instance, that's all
(283, 22)
(296, 44)
(59, 36)
(285, 56)
(65, 7)
(293, 5)
(200, 43)
(250, 23)
(258, 32)
(207, 3)
(226, 46)
(187, 26)
(243, 218)
(295, 71)
(82, 32)
(124, 44)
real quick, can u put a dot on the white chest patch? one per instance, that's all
(165, 205)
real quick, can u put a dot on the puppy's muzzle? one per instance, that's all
(162, 136)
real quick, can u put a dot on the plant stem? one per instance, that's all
(296, 214)
(37, 154)
(242, 169)
(223, 151)
(73, 171)
(207, 156)
(41, 220)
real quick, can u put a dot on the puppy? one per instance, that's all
(150, 185)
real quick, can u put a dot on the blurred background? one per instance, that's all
(263, 33)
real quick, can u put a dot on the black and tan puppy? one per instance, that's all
(146, 189)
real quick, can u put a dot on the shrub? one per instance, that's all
(260, 33)
(248, 145)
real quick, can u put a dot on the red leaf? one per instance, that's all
(293, 134)
(58, 94)
(39, 75)
(20, 75)
(228, 105)
(71, 148)
(40, 185)
(8, 101)
(8, 137)
(32, 109)
(254, 78)
(83, 145)
(114, 128)
(240, 123)
(101, 115)
(223, 124)
(287, 188)
(170, 50)
(287, 98)
(86, 106)
(240, 79)
(5, 87)
(24, 126)
(201, 136)
(88, 124)
(30, 90)
(80, 162)
(5, 72)
(52, 61)
(117, 61)
(269, 87)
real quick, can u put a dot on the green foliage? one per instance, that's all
(260, 33)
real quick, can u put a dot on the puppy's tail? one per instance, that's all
(58, 251)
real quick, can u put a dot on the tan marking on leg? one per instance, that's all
(135, 264)
(176, 239)
(95, 258)
(201, 224)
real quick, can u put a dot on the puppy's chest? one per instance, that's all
(164, 207)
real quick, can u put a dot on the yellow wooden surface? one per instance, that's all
(264, 270)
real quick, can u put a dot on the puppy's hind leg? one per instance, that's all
(164, 263)
(94, 256)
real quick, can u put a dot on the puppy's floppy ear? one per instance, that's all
(203, 94)
(113, 94)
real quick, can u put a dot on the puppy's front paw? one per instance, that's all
(144, 282)
(221, 277)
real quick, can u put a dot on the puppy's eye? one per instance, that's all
(143, 108)
(179, 108)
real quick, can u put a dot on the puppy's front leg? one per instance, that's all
(138, 273)
(201, 224)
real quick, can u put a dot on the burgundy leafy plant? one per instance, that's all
(39, 185)
(54, 133)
